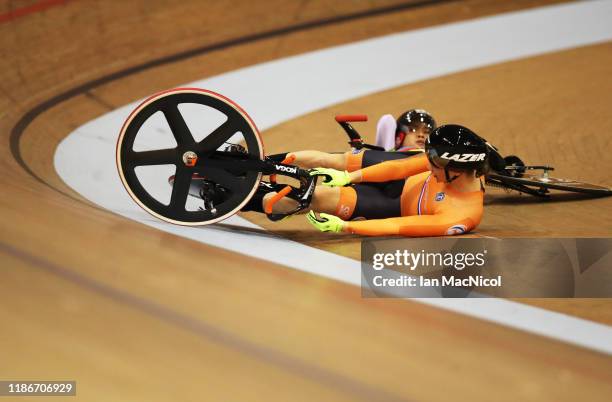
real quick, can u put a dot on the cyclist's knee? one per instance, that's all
(325, 199)
(335, 161)
(305, 159)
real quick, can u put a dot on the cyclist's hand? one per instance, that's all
(332, 177)
(326, 222)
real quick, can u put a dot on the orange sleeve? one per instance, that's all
(395, 169)
(414, 226)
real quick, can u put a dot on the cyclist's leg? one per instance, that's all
(349, 202)
(312, 159)
(351, 161)
(325, 199)
(371, 157)
(359, 159)
(358, 200)
(375, 203)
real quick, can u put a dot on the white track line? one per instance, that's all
(287, 88)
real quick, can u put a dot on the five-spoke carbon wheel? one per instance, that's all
(241, 185)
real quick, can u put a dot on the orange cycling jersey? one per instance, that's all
(428, 207)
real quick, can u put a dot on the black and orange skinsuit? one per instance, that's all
(426, 207)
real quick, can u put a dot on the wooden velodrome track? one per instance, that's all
(135, 314)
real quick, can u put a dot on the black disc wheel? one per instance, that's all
(239, 185)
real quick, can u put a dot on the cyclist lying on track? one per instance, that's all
(442, 193)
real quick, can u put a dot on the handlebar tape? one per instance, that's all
(344, 118)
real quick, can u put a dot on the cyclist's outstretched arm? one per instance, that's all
(413, 226)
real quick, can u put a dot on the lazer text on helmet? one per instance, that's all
(464, 157)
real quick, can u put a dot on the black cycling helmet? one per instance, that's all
(410, 120)
(458, 148)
